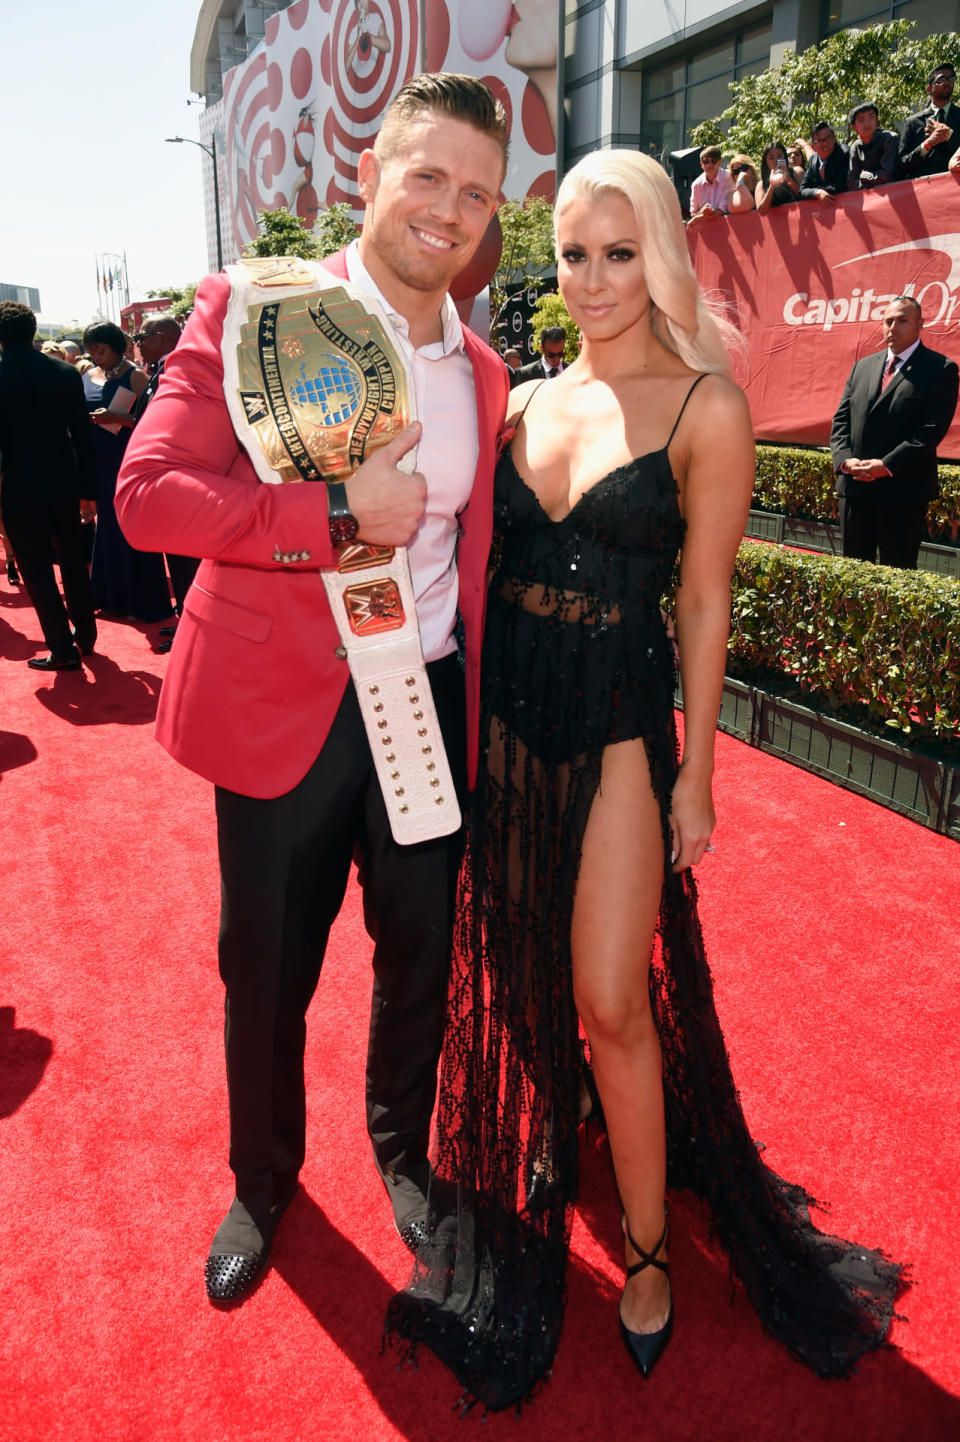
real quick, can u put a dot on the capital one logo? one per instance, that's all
(939, 298)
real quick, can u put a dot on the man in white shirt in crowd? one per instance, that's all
(710, 192)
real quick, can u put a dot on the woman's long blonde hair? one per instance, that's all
(681, 317)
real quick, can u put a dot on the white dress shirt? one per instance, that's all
(714, 192)
(446, 457)
(901, 358)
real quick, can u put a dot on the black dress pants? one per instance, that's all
(875, 528)
(284, 866)
(182, 570)
(40, 533)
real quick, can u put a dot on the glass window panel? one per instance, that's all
(754, 45)
(753, 67)
(655, 112)
(932, 17)
(660, 82)
(842, 13)
(711, 62)
(708, 100)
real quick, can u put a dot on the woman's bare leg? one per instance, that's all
(614, 918)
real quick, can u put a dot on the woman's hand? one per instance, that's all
(692, 819)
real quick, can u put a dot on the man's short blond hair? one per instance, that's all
(460, 97)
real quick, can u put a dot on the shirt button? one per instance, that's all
(341, 653)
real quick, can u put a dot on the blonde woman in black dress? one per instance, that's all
(630, 471)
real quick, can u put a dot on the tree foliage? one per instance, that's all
(334, 229)
(881, 63)
(528, 253)
(281, 233)
(181, 298)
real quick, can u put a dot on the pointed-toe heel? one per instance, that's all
(646, 1347)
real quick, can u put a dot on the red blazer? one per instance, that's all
(253, 682)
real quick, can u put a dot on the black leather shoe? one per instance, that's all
(162, 647)
(13, 575)
(240, 1251)
(167, 631)
(56, 663)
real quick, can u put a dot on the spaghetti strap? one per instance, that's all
(682, 408)
(516, 424)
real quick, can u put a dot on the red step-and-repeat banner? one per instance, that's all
(807, 285)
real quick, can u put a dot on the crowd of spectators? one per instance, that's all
(822, 168)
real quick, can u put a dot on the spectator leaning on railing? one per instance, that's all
(798, 158)
(744, 178)
(929, 137)
(826, 175)
(873, 155)
(710, 192)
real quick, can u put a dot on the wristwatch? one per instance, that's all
(343, 523)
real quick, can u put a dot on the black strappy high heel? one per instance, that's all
(646, 1347)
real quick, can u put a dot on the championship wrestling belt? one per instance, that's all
(314, 385)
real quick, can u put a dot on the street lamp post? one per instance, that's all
(210, 150)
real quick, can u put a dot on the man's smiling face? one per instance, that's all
(429, 200)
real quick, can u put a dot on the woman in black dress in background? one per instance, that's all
(126, 582)
(578, 904)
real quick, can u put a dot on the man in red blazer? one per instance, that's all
(258, 697)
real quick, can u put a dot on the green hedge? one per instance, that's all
(795, 482)
(851, 635)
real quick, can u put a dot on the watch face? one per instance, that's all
(343, 529)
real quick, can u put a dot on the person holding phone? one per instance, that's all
(778, 184)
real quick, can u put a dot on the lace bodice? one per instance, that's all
(610, 557)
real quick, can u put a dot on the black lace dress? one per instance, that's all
(576, 657)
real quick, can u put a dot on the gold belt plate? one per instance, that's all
(321, 382)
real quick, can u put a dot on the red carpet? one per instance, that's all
(831, 926)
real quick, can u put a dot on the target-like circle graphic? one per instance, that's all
(370, 52)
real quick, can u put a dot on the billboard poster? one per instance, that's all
(808, 285)
(296, 115)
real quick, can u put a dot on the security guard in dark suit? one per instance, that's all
(896, 408)
(553, 344)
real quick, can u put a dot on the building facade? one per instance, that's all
(294, 90)
(642, 73)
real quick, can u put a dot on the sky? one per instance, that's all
(90, 91)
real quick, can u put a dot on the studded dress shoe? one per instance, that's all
(413, 1234)
(52, 662)
(240, 1251)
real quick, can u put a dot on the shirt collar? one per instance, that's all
(904, 355)
(359, 276)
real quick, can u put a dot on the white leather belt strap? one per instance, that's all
(298, 425)
(396, 702)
